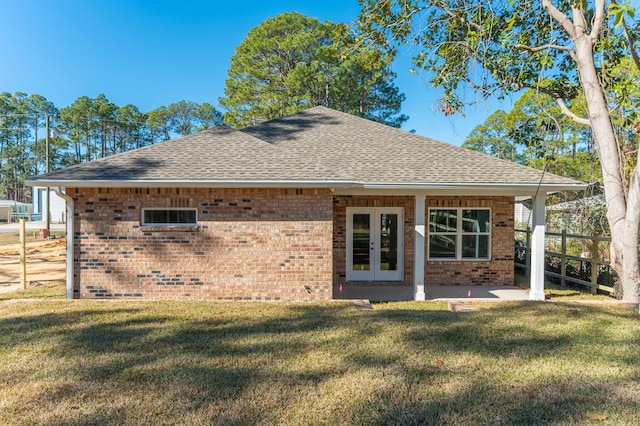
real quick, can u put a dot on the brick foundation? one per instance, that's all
(250, 244)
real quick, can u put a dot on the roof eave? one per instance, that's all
(194, 183)
(515, 188)
(577, 186)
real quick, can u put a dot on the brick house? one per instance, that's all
(293, 208)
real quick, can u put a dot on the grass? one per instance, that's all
(46, 290)
(7, 238)
(133, 362)
(556, 292)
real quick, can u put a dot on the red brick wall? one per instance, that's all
(497, 271)
(250, 244)
(340, 204)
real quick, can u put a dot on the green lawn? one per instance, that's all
(87, 362)
(557, 292)
(47, 290)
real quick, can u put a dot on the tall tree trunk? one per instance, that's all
(78, 149)
(88, 144)
(630, 241)
(622, 213)
(103, 140)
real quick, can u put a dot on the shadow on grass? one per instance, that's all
(286, 363)
(549, 402)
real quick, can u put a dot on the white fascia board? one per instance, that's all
(471, 185)
(231, 183)
(340, 186)
(466, 189)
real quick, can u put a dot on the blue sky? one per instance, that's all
(152, 53)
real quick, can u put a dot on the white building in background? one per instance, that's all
(58, 205)
(11, 210)
(523, 212)
(6, 208)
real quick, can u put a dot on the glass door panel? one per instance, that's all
(375, 244)
(388, 242)
(361, 237)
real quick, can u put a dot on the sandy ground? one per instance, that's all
(46, 261)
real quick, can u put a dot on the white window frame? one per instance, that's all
(375, 274)
(143, 223)
(459, 233)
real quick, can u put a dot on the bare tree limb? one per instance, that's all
(560, 18)
(546, 46)
(598, 20)
(566, 111)
(580, 24)
(539, 48)
(562, 104)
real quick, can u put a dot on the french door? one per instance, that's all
(375, 244)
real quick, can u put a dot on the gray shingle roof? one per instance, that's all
(220, 153)
(374, 152)
(319, 145)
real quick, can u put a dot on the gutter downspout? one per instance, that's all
(70, 234)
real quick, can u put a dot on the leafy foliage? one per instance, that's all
(496, 48)
(87, 129)
(493, 138)
(536, 133)
(292, 62)
(493, 47)
(21, 116)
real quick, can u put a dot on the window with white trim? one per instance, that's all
(459, 234)
(169, 217)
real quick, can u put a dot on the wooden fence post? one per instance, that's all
(23, 255)
(563, 259)
(527, 252)
(594, 266)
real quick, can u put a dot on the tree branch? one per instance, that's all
(452, 15)
(566, 111)
(598, 20)
(546, 46)
(562, 104)
(632, 44)
(560, 18)
(396, 26)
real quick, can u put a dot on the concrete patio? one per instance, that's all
(433, 293)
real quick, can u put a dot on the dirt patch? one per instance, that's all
(46, 261)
